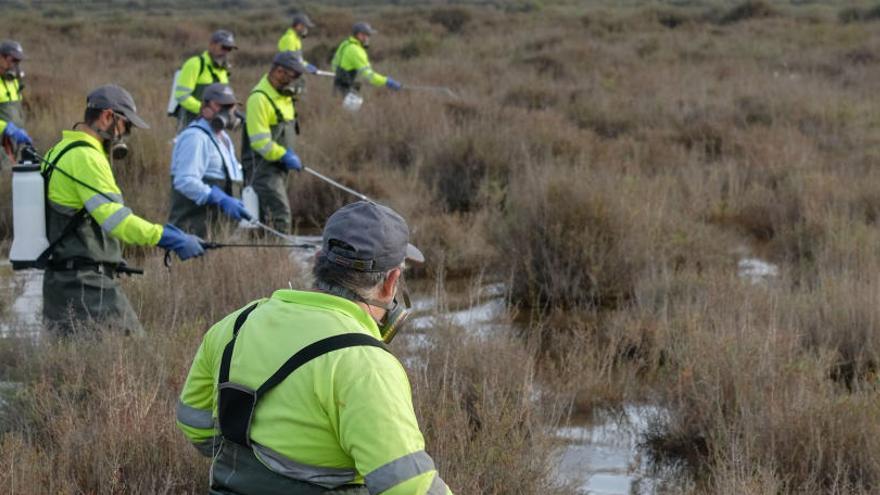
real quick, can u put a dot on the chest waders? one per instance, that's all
(11, 110)
(345, 81)
(184, 117)
(81, 264)
(269, 179)
(236, 468)
(186, 214)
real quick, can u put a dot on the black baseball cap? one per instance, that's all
(224, 38)
(117, 99)
(363, 27)
(368, 237)
(290, 60)
(219, 92)
(12, 48)
(302, 19)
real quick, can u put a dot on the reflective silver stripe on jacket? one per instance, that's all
(258, 137)
(438, 487)
(99, 199)
(398, 471)
(196, 418)
(323, 476)
(187, 92)
(115, 219)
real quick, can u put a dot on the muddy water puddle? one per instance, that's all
(22, 301)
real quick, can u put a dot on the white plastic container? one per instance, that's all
(28, 216)
(352, 101)
(252, 205)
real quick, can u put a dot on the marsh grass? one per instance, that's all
(610, 161)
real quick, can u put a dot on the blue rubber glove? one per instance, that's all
(232, 207)
(290, 160)
(185, 245)
(311, 69)
(391, 83)
(17, 134)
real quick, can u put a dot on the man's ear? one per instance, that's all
(388, 285)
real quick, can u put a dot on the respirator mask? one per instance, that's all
(295, 87)
(114, 142)
(13, 72)
(396, 313)
(225, 119)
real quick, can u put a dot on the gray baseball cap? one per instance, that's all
(9, 47)
(290, 60)
(368, 237)
(302, 19)
(224, 38)
(363, 27)
(117, 99)
(219, 92)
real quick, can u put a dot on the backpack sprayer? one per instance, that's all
(28, 216)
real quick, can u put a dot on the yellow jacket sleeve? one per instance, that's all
(195, 407)
(259, 116)
(379, 430)
(291, 42)
(186, 84)
(107, 207)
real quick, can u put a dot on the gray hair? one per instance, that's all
(366, 285)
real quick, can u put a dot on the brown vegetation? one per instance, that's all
(612, 164)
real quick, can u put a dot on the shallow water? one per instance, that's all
(24, 288)
(605, 458)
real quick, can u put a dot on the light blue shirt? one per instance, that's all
(195, 157)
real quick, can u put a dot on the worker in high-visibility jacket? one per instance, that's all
(200, 71)
(87, 220)
(291, 41)
(337, 414)
(11, 112)
(271, 128)
(352, 65)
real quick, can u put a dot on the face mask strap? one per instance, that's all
(395, 313)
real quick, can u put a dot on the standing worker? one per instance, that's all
(87, 219)
(203, 165)
(271, 132)
(291, 41)
(337, 414)
(352, 65)
(11, 111)
(199, 71)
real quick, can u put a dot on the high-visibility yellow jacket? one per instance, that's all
(262, 118)
(347, 414)
(197, 73)
(10, 93)
(89, 165)
(291, 42)
(351, 57)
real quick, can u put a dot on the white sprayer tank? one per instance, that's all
(28, 216)
(252, 205)
(352, 101)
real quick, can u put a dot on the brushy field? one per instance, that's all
(611, 162)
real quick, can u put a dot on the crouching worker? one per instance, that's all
(305, 396)
(87, 220)
(203, 165)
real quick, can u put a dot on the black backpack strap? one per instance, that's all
(278, 115)
(317, 349)
(78, 218)
(211, 138)
(227, 351)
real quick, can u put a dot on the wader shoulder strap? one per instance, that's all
(278, 115)
(78, 218)
(222, 159)
(302, 357)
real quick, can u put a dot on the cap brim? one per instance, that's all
(231, 47)
(414, 255)
(135, 119)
